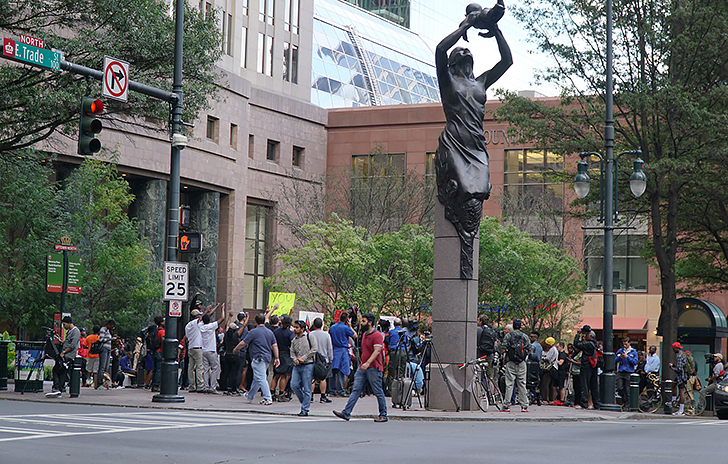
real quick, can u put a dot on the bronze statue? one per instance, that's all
(461, 162)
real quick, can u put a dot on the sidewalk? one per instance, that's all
(365, 408)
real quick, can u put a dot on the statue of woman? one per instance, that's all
(461, 162)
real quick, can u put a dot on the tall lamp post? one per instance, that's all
(609, 171)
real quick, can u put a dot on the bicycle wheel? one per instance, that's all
(649, 401)
(694, 403)
(479, 394)
(495, 394)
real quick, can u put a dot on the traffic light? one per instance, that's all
(190, 242)
(89, 126)
(185, 217)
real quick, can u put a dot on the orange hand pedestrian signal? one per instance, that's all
(190, 242)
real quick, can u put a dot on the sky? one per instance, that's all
(434, 19)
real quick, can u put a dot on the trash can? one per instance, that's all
(29, 360)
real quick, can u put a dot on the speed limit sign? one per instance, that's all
(176, 281)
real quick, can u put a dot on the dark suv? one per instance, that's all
(720, 399)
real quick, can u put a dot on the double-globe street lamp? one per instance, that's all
(609, 176)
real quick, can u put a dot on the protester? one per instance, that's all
(303, 354)
(340, 333)
(370, 370)
(325, 348)
(230, 360)
(210, 359)
(195, 367)
(282, 373)
(516, 346)
(262, 346)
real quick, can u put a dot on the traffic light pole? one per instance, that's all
(168, 392)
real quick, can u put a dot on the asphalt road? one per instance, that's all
(60, 433)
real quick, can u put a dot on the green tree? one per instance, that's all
(36, 103)
(339, 265)
(118, 279)
(28, 229)
(329, 269)
(670, 101)
(528, 279)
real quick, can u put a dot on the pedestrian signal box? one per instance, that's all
(190, 242)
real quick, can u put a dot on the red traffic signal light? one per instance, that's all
(89, 126)
(190, 242)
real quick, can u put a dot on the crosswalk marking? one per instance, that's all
(20, 427)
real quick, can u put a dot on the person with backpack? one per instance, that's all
(516, 347)
(626, 363)
(681, 377)
(584, 342)
(487, 341)
(155, 335)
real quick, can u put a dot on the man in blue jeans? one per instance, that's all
(370, 370)
(303, 353)
(262, 346)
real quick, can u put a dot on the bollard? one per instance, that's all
(75, 383)
(667, 396)
(634, 391)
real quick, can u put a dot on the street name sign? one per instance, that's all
(176, 281)
(24, 53)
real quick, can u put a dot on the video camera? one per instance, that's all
(709, 357)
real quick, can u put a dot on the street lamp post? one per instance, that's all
(609, 171)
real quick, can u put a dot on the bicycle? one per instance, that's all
(651, 399)
(484, 389)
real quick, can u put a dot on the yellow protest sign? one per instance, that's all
(285, 302)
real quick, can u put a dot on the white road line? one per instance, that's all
(110, 429)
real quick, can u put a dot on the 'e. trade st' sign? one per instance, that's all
(24, 53)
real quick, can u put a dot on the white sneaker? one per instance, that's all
(54, 394)
(678, 413)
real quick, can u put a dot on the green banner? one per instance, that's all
(54, 273)
(75, 275)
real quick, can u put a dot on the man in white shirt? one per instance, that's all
(194, 352)
(210, 359)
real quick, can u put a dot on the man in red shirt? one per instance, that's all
(370, 370)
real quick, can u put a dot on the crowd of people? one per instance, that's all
(277, 358)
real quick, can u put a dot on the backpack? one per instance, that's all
(689, 364)
(153, 339)
(95, 347)
(597, 362)
(486, 342)
(517, 348)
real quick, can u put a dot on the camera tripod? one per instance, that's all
(38, 361)
(429, 347)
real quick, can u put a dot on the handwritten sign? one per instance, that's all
(285, 302)
(309, 316)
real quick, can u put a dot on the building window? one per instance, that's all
(244, 7)
(266, 11)
(251, 146)
(213, 129)
(430, 166)
(265, 54)
(273, 151)
(228, 34)
(630, 269)
(390, 165)
(234, 136)
(244, 47)
(527, 179)
(297, 157)
(206, 7)
(291, 16)
(290, 63)
(258, 238)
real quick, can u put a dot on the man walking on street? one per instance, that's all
(262, 346)
(516, 347)
(370, 370)
(326, 349)
(626, 364)
(69, 349)
(303, 353)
